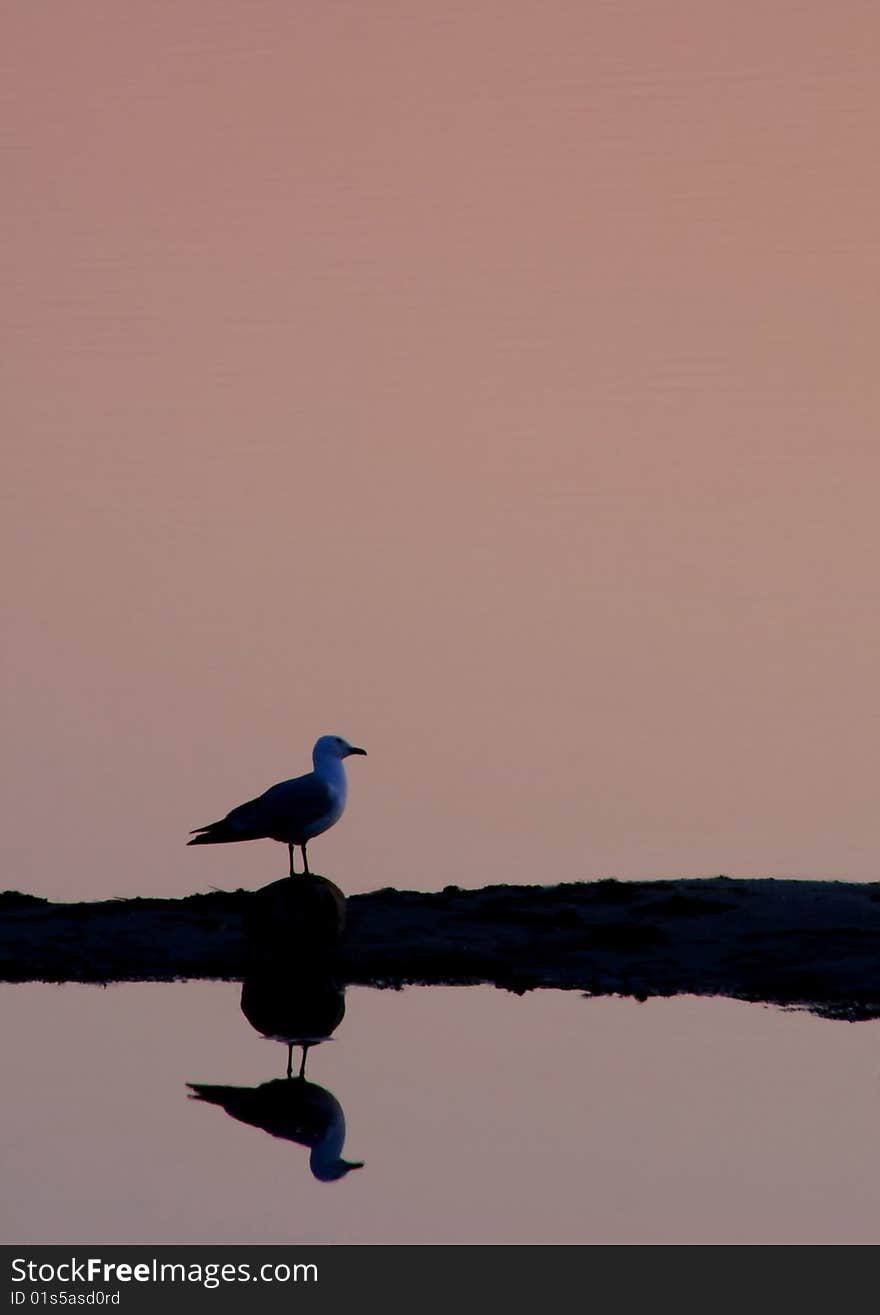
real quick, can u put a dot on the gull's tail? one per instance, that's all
(216, 833)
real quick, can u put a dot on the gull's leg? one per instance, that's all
(290, 1060)
(305, 860)
(302, 1067)
(290, 851)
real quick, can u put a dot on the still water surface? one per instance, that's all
(479, 1116)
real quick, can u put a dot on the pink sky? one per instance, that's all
(492, 385)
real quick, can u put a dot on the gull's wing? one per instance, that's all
(302, 800)
(299, 802)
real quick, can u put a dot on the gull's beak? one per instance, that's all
(352, 749)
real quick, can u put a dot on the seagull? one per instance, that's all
(292, 811)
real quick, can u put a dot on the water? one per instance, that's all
(479, 1117)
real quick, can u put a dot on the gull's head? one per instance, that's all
(334, 746)
(330, 1173)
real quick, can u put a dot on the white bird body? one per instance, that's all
(294, 811)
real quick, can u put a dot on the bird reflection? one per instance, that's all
(295, 1110)
(290, 994)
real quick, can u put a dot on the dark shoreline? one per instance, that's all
(812, 944)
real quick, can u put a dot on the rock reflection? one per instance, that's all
(296, 1011)
(290, 994)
